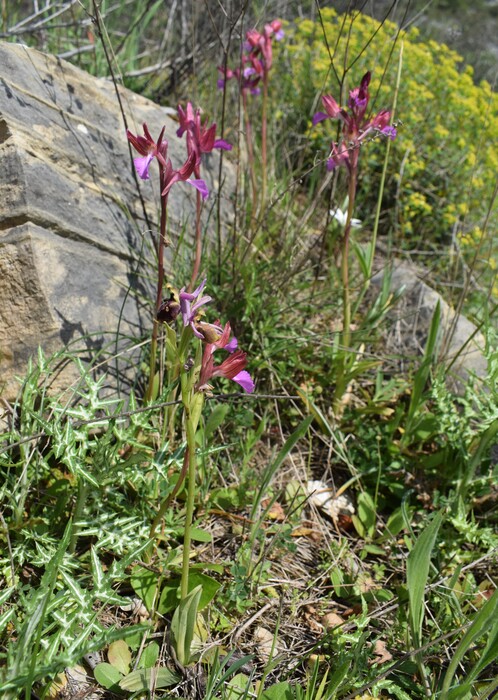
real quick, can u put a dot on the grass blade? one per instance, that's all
(417, 573)
(486, 619)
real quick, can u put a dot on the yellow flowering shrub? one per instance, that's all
(443, 163)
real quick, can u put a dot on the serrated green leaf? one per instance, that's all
(146, 679)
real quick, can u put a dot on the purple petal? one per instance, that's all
(201, 186)
(279, 35)
(203, 300)
(389, 131)
(244, 379)
(224, 145)
(319, 117)
(197, 291)
(220, 83)
(255, 91)
(142, 166)
(232, 345)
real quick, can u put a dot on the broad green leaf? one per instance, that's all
(417, 573)
(170, 594)
(199, 535)
(144, 583)
(215, 419)
(119, 656)
(146, 679)
(238, 688)
(422, 374)
(366, 513)
(395, 523)
(107, 676)
(149, 655)
(269, 473)
(183, 625)
(279, 691)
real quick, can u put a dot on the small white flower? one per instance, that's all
(341, 218)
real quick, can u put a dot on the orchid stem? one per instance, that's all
(198, 239)
(264, 144)
(341, 382)
(250, 154)
(187, 538)
(161, 245)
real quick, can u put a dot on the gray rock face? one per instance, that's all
(76, 254)
(461, 345)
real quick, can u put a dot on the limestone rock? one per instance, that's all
(461, 345)
(76, 260)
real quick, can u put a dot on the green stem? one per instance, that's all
(250, 153)
(161, 245)
(198, 239)
(344, 350)
(346, 325)
(187, 538)
(164, 505)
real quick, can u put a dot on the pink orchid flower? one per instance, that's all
(356, 126)
(233, 367)
(150, 149)
(201, 138)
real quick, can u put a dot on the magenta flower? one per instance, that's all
(233, 367)
(200, 138)
(148, 149)
(356, 126)
(256, 60)
(169, 176)
(262, 43)
(247, 78)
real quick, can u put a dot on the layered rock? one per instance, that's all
(76, 252)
